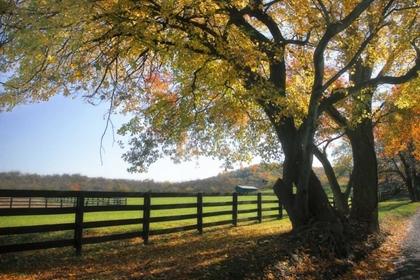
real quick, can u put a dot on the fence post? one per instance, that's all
(200, 213)
(146, 217)
(235, 209)
(78, 232)
(29, 204)
(46, 202)
(259, 210)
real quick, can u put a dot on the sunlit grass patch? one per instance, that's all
(172, 255)
(14, 221)
(399, 206)
(215, 204)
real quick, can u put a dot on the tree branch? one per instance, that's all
(332, 30)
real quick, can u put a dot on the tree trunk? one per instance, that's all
(410, 189)
(364, 176)
(413, 170)
(410, 178)
(416, 188)
(313, 210)
(340, 198)
(308, 206)
(407, 178)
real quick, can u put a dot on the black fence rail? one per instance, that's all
(206, 210)
(46, 202)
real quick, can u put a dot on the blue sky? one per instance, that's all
(62, 136)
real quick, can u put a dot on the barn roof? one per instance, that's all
(248, 188)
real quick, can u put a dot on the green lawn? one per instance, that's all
(186, 254)
(399, 206)
(121, 215)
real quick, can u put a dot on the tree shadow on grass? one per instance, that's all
(256, 251)
(223, 253)
(400, 200)
(395, 205)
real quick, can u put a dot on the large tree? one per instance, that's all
(228, 79)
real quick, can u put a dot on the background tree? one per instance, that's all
(211, 78)
(398, 138)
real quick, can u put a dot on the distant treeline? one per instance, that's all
(261, 176)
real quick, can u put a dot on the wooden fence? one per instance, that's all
(51, 202)
(260, 206)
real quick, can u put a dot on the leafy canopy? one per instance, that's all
(400, 131)
(213, 78)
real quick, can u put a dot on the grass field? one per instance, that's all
(399, 206)
(15, 221)
(249, 251)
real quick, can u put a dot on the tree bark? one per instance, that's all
(416, 188)
(364, 176)
(413, 170)
(299, 191)
(411, 178)
(359, 130)
(313, 210)
(340, 198)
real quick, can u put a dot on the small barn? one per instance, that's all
(245, 189)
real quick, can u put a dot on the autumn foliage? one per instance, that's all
(397, 135)
(232, 80)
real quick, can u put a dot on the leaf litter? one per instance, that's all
(254, 251)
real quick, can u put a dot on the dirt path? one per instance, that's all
(408, 265)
